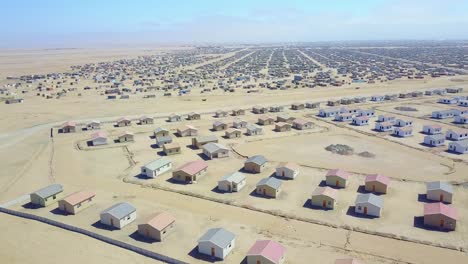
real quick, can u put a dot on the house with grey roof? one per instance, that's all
(215, 150)
(369, 204)
(156, 167)
(232, 182)
(161, 132)
(47, 195)
(439, 191)
(460, 147)
(253, 130)
(199, 141)
(118, 215)
(216, 243)
(269, 187)
(255, 164)
(160, 141)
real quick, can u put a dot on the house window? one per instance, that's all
(359, 208)
(78, 205)
(53, 197)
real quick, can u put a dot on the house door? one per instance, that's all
(282, 173)
(441, 198)
(264, 192)
(147, 233)
(365, 210)
(442, 222)
(112, 222)
(337, 183)
(373, 188)
(187, 178)
(212, 252)
(324, 203)
(259, 262)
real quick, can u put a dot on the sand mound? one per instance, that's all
(406, 108)
(340, 149)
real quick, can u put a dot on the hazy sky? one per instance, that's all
(67, 23)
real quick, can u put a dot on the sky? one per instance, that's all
(88, 23)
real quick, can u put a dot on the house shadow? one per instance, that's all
(192, 147)
(422, 197)
(57, 211)
(255, 194)
(177, 135)
(60, 131)
(161, 153)
(351, 212)
(308, 204)
(196, 255)
(203, 157)
(418, 222)
(89, 143)
(427, 145)
(452, 152)
(31, 206)
(102, 226)
(142, 177)
(138, 237)
(154, 146)
(218, 191)
(171, 180)
(362, 189)
(152, 137)
(323, 183)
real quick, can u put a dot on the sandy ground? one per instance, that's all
(32, 159)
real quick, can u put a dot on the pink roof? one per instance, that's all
(161, 221)
(440, 208)
(125, 133)
(301, 121)
(269, 249)
(378, 178)
(98, 135)
(434, 126)
(78, 197)
(69, 124)
(386, 124)
(338, 172)
(327, 191)
(362, 118)
(347, 261)
(193, 167)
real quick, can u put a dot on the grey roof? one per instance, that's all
(160, 129)
(155, 164)
(462, 143)
(120, 210)
(233, 177)
(206, 138)
(252, 127)
(258, 159)
(369, 198)
(213, 147)
(49, 190)
(270, 181)
(438, 185)
(218, 236)
(218, 123)
(436, 137)
(164, 139)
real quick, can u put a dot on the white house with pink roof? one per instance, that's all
(266, 252)
(337, 178)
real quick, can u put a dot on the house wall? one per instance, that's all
(434, 195)
(317, 200)
(379, 187)
(150, 232)
(288, 173)
(181, 175)
(66, 207)
(253, 167)
(126, 139)
(221, 154)
(156, 172)
(270, 192)
(99, 141)
(47, 201)
(435, 221)
(172, 151)
(221, 253)
(118, 223)
(371, 209)
(331, 181)
(255, 259)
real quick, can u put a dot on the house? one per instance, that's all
(255, 164)
(367, 112)
(434, 140)
(329, 112)
(439, 191)
(457, 134)
(193, 116)
(282, 127)
(47, 195)
(75, 202)
(454, 90)
(368, 204)
(171, 149)
(302, 124)
(174, 118)
(297, 106)
(199, 141)
(447, 100)
(93, 125)
(269, 187)
(126, 137)
(69, 127)
(276, 108)
(160, 141)
(376, 183)
(158, 227)
(403, 131)
(238, 112)
(221, 113)
(443, 114)
(232, 182)
(217, 243)
(361, 121)
(461, 119)
(440, 215)
(266, 252)
(432, 129)
(460, 147)
(123, 122)
(190, 172)
(118, 215)
(285, 118)
(403, 123)
(160, 132)
(266, 120)
(145, 120)
(253, 130)
(288, 170)
(384, 126)
(377, 98)
(187, 131)
(239, 123)
(347, 110)
(386, 118)
(233, 133)
(312, 105)
(463, 103)
(218, 125)
(259, 109)
(344, 117)
(156, 167)
(347, 261)
(324, 197)
(337, 178)
(215, 150)
(99, 138)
